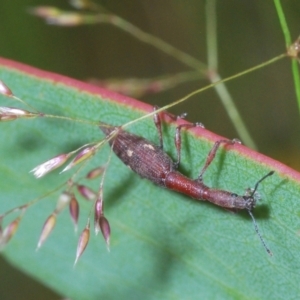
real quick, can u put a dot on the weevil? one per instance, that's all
(150, 161)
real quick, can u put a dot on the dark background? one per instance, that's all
(248, 34)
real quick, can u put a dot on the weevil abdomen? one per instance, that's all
(140, 155)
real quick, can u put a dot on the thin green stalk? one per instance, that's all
(288, 42)
(153, 41)
(185, 98)
(211, 35)
(64, 18)
(296, 77)
(221, 89)
(283, 23)
(75, 19)
(188, 60)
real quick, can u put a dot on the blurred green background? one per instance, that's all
(248, 34)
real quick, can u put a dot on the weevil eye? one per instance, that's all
(234, 195)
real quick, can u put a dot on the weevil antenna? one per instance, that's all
(259, 181)
(252, 217)
(258, 233)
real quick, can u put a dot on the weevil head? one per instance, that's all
(251, 197)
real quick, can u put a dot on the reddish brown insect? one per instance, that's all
(151, 162)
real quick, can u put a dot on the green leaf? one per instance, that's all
(163, 245)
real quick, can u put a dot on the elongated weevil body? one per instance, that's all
(151, 162)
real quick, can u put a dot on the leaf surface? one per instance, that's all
(163, 245)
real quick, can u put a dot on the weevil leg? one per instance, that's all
(157, 122)
(212, 153)
(178, 140)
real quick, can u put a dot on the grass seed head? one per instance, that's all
(74, 211)
(82, 242)
(63, 200)
(47, 229)
(9, 232)
(50, 165)
(98, 212)
(105, 229)
(95, 173)
(86, 192)
(80, 157)
(5, 90)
